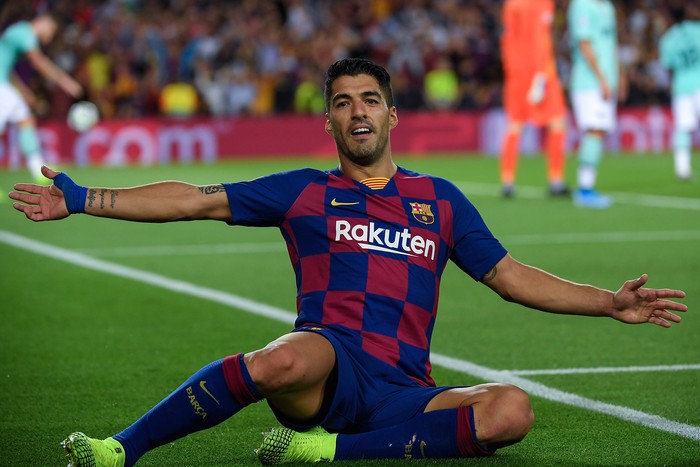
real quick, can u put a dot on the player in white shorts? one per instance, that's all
(679, 51)
(592, 112)
(24, 38)
(595, 85)
(686, 112)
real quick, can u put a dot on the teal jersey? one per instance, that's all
(679, 50)
(593, 21)
(14, 42)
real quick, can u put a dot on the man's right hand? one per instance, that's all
(40, 203)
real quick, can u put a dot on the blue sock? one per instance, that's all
(204, 400)
(445, 433)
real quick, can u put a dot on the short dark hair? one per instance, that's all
(678, 13)
(358, 66)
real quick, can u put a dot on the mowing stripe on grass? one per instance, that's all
(609, 369)
(179, 250)
(257, 308)
(638, 199)
(601, 237)
(279, 246)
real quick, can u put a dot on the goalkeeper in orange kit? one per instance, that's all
(532, 91)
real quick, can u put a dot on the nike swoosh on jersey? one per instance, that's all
(335, 202)
(201, 385)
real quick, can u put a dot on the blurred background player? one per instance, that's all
(596, 84)
(679, 50)
(24, 38)
(532, 91)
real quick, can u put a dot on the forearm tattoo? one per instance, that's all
(211, 189)
(92, 197)
(490, 275)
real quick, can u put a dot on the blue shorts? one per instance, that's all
(364, 393)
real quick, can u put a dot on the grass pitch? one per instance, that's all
(84, 349)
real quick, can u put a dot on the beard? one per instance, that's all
(364, 153)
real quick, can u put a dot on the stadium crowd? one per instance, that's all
(231, 57)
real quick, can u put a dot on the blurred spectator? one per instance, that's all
(179, 99)
(308, 97)
(210, 86)
(123, 89)
(441, 85)
(241, 90)
(107, 44)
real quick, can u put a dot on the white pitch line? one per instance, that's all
(279, 246)
(638, 199)
(545, 392)
(146, 277)
(610, 369)
(284, 316)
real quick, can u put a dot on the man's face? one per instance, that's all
(359, 119)
(46, 29)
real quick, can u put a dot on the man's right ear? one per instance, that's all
(329, 126)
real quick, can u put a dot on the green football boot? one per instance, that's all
(284, 446)
(89, 452)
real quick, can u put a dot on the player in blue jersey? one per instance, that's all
(679, 51)
(23, 39)
(368, 241)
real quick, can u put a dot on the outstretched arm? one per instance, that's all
(51, 72)
(538, 289)
(157, 202)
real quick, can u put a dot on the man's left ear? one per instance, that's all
(393, 118)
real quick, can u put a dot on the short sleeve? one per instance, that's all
(476, 251)
(264, 201)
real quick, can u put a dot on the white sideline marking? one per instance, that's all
(146, 277)
(507, 240)
(638, 199)
(613, 369)
(257, 308)
(540, 390)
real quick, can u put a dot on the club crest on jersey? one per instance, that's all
(422, 213)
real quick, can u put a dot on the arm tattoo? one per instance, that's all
(211, 189)
(490, 275)
(91, 196)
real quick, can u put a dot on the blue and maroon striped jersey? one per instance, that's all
(368, 262)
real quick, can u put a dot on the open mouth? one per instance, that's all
(362, 131)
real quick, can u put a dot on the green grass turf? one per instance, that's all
(85, 350)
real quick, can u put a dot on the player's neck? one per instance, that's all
(384, 169)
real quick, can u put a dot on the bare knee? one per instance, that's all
(275, 367)
(29, 121)
(296, 362)
(505, 417)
